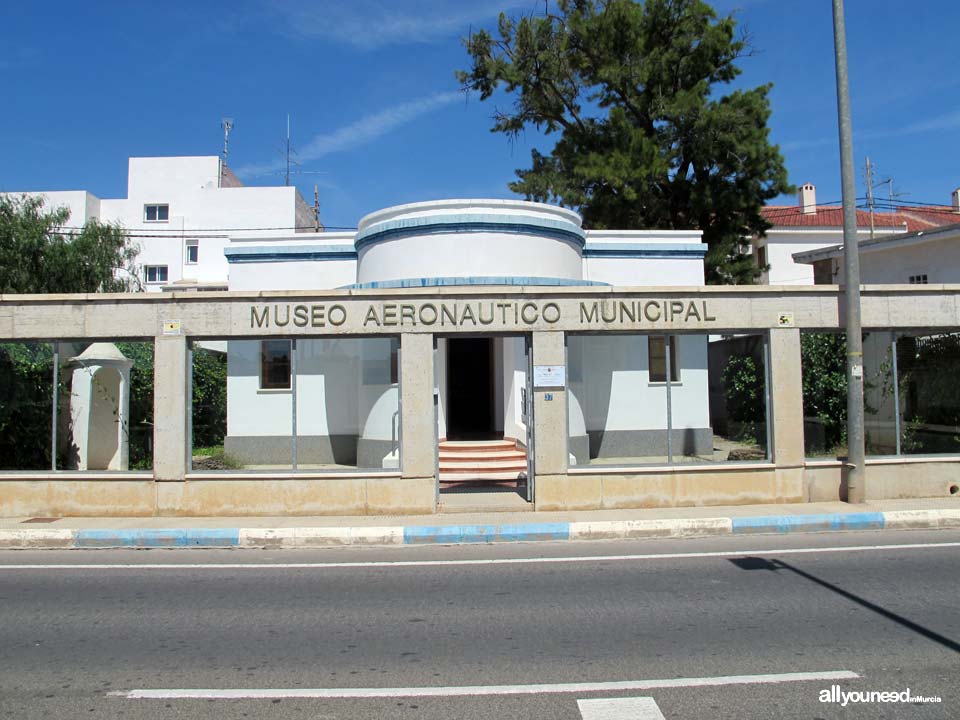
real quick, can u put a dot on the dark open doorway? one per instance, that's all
(470, 387)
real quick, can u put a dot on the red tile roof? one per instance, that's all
(905, 219)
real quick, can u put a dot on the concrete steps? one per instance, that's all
(497, 462)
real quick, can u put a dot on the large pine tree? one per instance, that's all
(646, 137)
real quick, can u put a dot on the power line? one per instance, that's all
(181, 231)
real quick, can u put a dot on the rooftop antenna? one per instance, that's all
(227, 125)
(288, 154)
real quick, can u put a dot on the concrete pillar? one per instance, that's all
(170, 441)
(550, 415)
(786, 398)
(419, 442)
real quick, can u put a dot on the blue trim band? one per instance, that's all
(645, 250)
(176, 537)
(480, 280)
(807, 523)
(485, 533)
(289, 253)
(433, 225)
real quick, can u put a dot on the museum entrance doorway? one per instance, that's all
(484, 422)
(470, 389)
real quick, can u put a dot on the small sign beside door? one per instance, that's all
(549, 376)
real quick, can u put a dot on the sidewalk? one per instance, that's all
(254, 532)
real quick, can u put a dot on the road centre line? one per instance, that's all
(486, 561)
(474, 690)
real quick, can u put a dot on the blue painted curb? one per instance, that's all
(808, 523)
(179, 537)
(485, 533)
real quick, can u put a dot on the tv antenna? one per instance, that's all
(227, 125)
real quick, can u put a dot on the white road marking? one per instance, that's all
(635, 708)
(474, 690)
(488, 561)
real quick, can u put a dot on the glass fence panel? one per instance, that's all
(616, 402)
(348, 403)
(103, 419)
(658, 399)
(304, 404)
(736, 370)
(880, 424)
(928, 372)
(139, 423)
(26, 406)
(823, 367)
(208, 397)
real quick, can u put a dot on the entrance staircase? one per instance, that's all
(485, 463)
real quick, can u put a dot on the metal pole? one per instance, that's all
(766, 395)
(54, 414)
(896, 393)
(856, 451)
(293, 404)
(189, 403)
(666, 346)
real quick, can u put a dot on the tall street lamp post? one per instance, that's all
(856, 451)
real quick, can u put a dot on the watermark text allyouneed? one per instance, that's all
(834, 694)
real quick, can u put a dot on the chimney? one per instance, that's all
(808, 199)
(956, 200)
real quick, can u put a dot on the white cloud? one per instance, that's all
(371, 24)
(361, 131)
(948, 121)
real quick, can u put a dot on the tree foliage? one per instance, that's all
(26, 390)
(744, 385)
(209, 397)
(645, 138)
(37, 256)
(824, 370)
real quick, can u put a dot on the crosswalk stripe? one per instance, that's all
(634, 708)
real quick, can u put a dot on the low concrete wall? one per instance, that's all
(221, 496)
(669, 487)
(886, 479)
(135, 497)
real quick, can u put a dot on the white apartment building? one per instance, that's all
(808, 227)
(182, 212)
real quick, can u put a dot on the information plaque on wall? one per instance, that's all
(549, 376)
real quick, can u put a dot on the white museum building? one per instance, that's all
(481, 377)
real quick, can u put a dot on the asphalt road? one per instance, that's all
(76, 641)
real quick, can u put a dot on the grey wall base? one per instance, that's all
(580, 448)
(277, 450)
(648, 443)
(370, 453)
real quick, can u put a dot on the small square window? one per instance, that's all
(155, 273)
(275, 365)
(156, 213)
(193, 252)
(918, 279)
(657, 354)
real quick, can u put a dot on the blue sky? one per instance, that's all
(376, 113)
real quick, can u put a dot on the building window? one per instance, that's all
(156, 213)
(275, 365)
(657, 354)
(918, 279)
(193, 252)
(155, 273)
